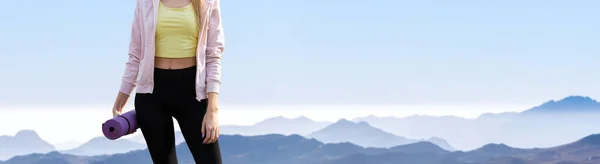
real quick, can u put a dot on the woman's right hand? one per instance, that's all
(119, 104)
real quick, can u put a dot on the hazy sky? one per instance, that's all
(72, 52)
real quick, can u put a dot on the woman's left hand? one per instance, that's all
(210, 125)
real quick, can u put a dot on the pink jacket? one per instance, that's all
(139, 70)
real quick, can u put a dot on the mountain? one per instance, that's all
(419, 147)
(139, 138)
(295, 149)
(570, 104)
(277, 125)
(53, 157)
(360, 133)
(499, 116)
(67, 145)
(23, 142)
(439, 142)
(525, 129)
(104, 146)
(363, 134)
(463, 133)
(583, 151)
(394, 157)
(491, 151)
(237, 149)
(565, 120)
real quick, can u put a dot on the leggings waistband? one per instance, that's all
(175, 79)
(188, 69)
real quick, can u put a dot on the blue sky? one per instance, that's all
(66, 52)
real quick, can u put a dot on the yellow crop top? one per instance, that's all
(176, 32)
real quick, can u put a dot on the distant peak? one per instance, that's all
(273, 119)
(495, 147)
(363, 123)
(578, 98)
(424, 143)
(572, 100)
(284, 120)
(344, 121)
(420, 145)
(277, 118)
(570, 103)
(499, 114)
(27, 134)
(593, 139)
(302, 118)
(350, 124)
(436, 139)
(98, 139)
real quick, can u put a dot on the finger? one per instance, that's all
(218, 134)
(208, 134)
(212, 136)
(116, 112)
(203, 131)
(117, 109)
(215, 135)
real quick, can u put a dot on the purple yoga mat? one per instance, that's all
(119, 126)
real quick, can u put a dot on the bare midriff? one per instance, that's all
(174, 63)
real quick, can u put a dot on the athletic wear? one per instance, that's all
(139, 71)
(174, 97)
(176, 32)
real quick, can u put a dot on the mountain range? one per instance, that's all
(275, 125)
(522, 129)
(28, 141)
(565, 120)
(546, 125)
(295, 149)
(24, 142)
(104, 146)
(343, 130)
(363, 134)
(583, 151)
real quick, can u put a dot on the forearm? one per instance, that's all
(213, 102)
(121, 99)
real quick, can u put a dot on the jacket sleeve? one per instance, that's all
(133, 64)
(214, 49)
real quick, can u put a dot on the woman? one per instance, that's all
(175, 66)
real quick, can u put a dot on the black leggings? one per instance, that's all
(174, 96)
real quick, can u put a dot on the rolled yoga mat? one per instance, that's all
(121, 125)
